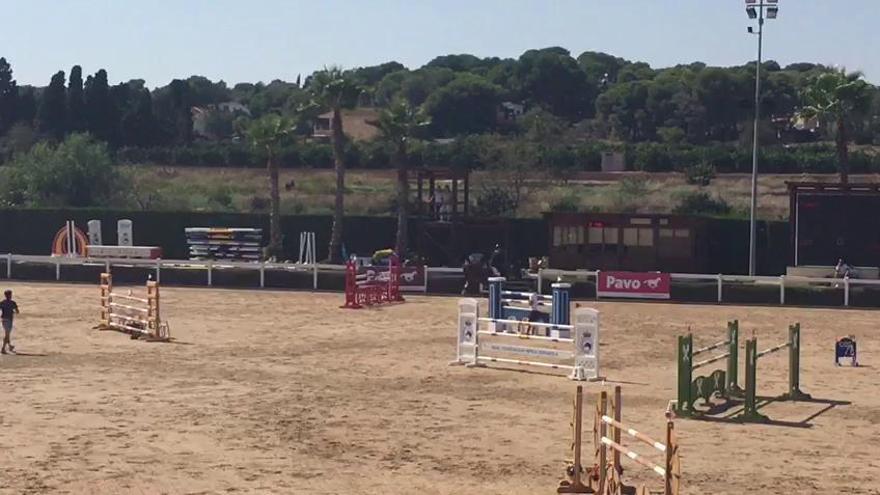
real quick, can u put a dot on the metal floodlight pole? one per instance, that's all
(753, 211)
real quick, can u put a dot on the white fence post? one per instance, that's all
(846, 290)
(158, 270)
(262, 274)
(782, 289)
(106, 266)
(598, 274)
(9, 265)
(720, 285)
(210, 272)
(315, 276)
(57, 269)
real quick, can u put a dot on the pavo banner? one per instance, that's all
(637, 285)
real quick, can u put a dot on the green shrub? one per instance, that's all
(222, 196)
(628, 194)
(316, 155)
(589, 158)
(652, 157)
(671, 135)
(567, 203)
(701, 203)
(78, 172)
(700, 174)
(495, 201)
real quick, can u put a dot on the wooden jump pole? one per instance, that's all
(152, 325)
(610, 474)
(575, 471)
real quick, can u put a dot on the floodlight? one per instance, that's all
(753, 14)
(772, 12)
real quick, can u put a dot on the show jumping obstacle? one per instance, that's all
(582, 360)
(750, 408)
(137, 316)
(719, 382)
(371, 288)
(70, 241)
(512, 305)
(605, 475)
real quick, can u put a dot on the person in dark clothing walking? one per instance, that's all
(8, 308)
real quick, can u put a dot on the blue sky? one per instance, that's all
(241, 40)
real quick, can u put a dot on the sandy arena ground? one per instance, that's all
(282, 392)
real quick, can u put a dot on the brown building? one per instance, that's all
(355, 124)
(633, 242)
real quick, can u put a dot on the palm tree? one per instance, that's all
(267, 134)
(334, 90)
(833, 98)
(397, 124)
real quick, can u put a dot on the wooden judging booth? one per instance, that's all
(629, 242)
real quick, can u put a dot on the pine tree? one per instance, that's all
(100, 112)
(26, 107)
(8, 97)
(53, 107)
(138, 124)
(75, 103)
(181, 102)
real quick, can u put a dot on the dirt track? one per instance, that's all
(282, 392)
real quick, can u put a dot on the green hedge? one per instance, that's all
(476, 152)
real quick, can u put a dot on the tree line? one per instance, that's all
(553, 106)
(596, 96)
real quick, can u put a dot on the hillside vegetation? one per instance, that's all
(370, 192)
(529, 127)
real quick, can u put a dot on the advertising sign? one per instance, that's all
(653, 285)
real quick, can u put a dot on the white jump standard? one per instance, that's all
(583, 355)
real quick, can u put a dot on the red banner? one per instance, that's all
(653, 285)
(412, 278)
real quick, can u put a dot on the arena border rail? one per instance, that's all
(316, 269)
(782, 281)
(208, 266)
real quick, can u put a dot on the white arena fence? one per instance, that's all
(720, 280)
(316, 270)
(208, 267)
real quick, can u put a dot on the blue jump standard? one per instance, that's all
(560, 302)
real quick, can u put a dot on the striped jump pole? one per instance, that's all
(609, 479)
(138, 316)
(750, 406)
